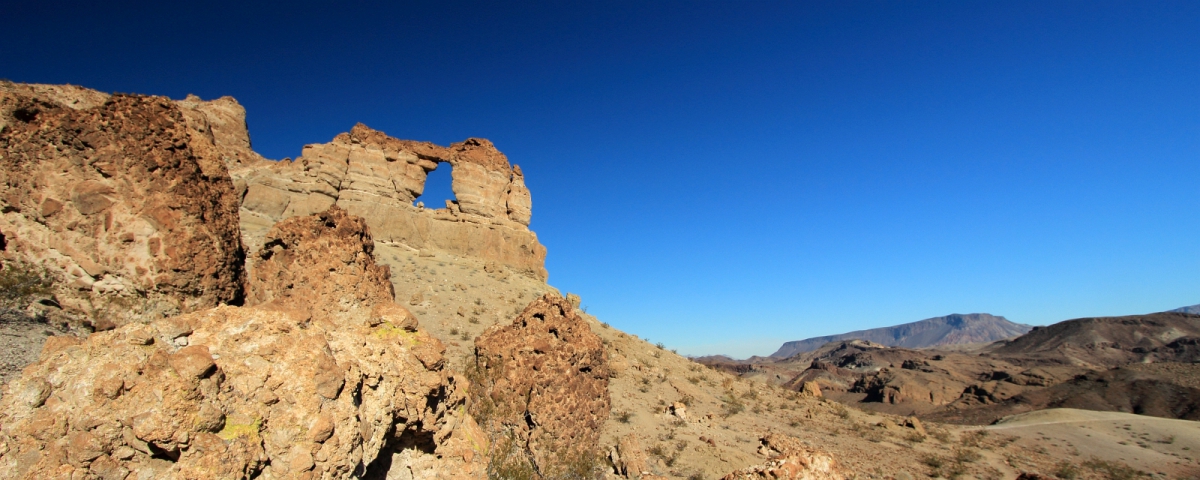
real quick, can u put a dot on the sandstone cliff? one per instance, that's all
(282, 390)
(125, 199)
(378, 177)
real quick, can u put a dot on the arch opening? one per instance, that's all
(437, 188)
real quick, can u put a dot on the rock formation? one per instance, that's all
(542, 385)
(789, 459)
(321, 267)
(628, 458)
(123, 198)
(378, 177)
(324, 381)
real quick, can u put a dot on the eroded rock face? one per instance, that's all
(378, 177)
(121, 198)
(789, 459)
(321, 266)
(543, 383)
(286, 389)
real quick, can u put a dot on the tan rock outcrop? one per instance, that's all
(223, 121)
(811, 389)
(789, 459)
(378, 177)
(120, 198)
(628, 458)
(543, 387)
(287, 389)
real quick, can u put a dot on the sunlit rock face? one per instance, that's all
(378, 177)
(329, 379)
(125, 199)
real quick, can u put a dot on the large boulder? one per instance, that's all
(321, 266)
(126, 204)
(541, 384)
(320, 381)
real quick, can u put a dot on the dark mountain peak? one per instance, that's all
(1194, 309)
(951, 329)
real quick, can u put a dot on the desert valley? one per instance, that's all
(177, 306)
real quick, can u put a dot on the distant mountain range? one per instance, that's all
(947, 330)
(1194, 309)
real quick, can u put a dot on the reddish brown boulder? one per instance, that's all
(120, 199)
(320, 266)
(542, 385)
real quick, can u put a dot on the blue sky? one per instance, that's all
(726, 176)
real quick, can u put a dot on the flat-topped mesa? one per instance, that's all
(378, 177)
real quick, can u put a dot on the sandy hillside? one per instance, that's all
(1166, 446)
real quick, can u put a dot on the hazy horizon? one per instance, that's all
(721, 177)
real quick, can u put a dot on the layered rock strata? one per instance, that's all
(122, 198)
(327, 381)
(542, 385)
(378, 177)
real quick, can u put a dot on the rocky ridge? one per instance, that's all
(931, 332)
(378, 177)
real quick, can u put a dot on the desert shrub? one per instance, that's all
(943, 467)
(975, 438)
(933, 461)
(623, 416)
(1112, 469)
(914, 437)
(941, 435)
(508, 461)
(841, 411)
(20, 281)
(1066, 471)
(731, 405)
(966, 455)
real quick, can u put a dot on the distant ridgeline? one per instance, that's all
(947, 330)
(1194, 309)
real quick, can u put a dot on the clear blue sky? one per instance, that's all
(725, 176)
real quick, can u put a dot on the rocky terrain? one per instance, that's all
(932, 332)
(307, 319)
(1144, 364)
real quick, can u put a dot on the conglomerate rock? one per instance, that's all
(286, 389)
(378, 177)
(320, 266)
(129, 206)
(789, 459)
(543, 388)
